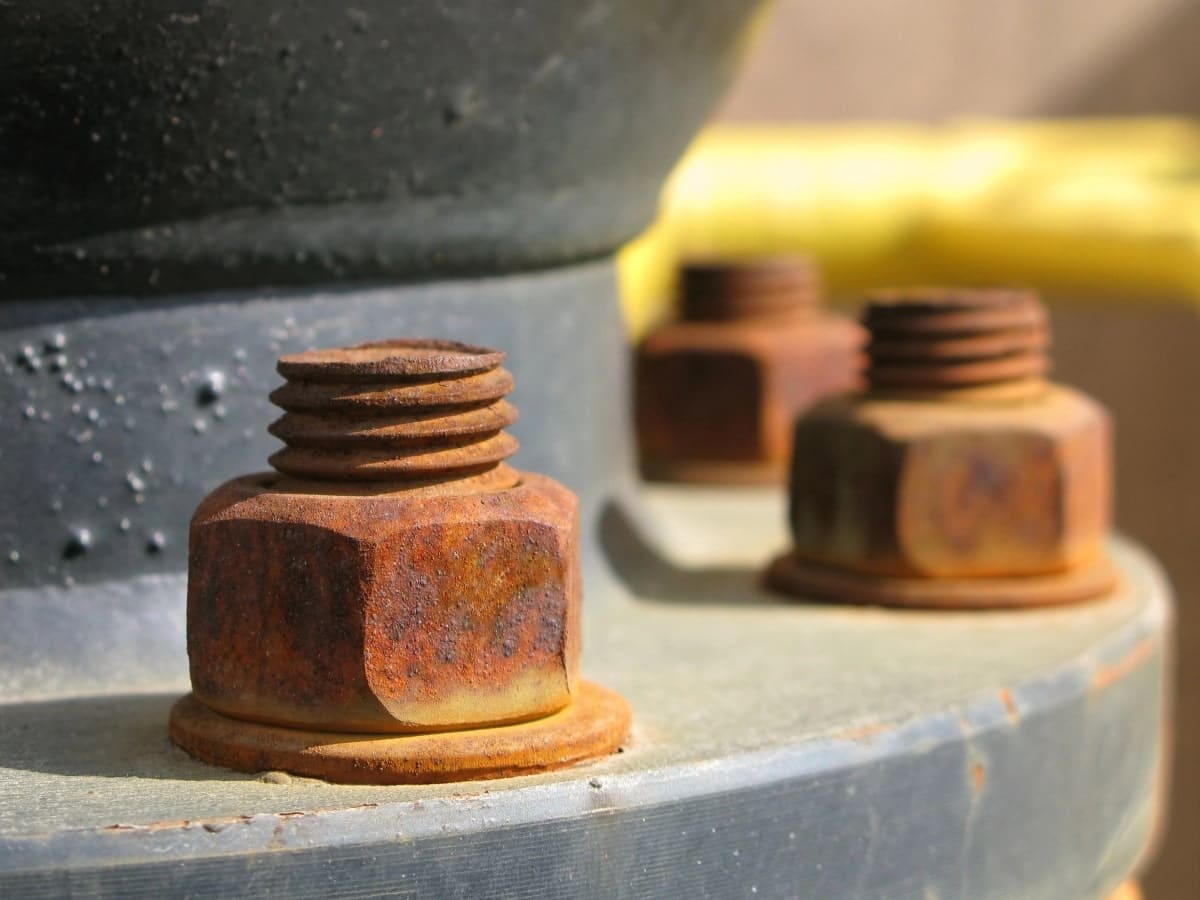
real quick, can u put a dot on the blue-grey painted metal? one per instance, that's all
(124, 413)
(781, 750)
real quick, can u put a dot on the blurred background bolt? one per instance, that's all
(393, 575)
(718, 390)
(961, 478)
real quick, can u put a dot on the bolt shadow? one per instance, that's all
(119, 736)
(654, 578)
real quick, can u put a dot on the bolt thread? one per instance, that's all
(773, 288)
(942, 339)
(403, 410)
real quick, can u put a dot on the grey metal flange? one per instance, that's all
(781, 750)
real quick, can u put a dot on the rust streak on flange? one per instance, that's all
(1128, 891)
(1139, 655)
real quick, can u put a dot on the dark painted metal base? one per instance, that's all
(169, 146)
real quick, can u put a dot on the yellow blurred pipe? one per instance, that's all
(1103, 208)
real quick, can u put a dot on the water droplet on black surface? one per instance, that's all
(78, 543)
(212, 386)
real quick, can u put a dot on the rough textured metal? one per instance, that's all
(593, 725)
(943, 338)
(385, 611)
(959, 473)
(389, 582)
(399, 410)
(718, 391)
(173, 145)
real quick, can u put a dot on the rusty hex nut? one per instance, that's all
(718, 391)
(959, 464)
(393, 575)
(384, 612)
(909, 488)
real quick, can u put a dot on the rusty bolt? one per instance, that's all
(393, 574)
(717, 392)
(961, 477)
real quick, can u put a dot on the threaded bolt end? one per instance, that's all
(727, 291)
(403, 410)
(942, 339)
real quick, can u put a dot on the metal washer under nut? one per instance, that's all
(595, 724)
(795, 576)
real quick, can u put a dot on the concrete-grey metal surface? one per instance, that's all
(781, 750)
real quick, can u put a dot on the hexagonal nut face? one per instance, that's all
(395, 612)
(922, 489)
(730, 392)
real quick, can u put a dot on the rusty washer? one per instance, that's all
(718, 391)
(390, 602)
(961, 478)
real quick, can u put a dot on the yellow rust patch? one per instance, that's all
(1128, 891)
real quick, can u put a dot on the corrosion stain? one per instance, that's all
(961, 478)
(860, 732)
(1128, 891)
(1010, 705)
(394, 577)
(718, 392)
(978, 777)
(595, 724)
(1109, 674)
